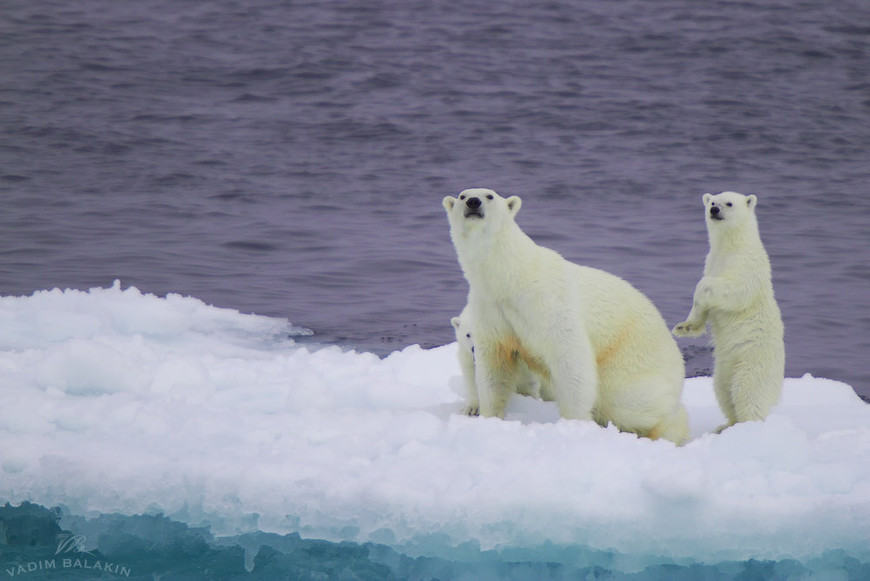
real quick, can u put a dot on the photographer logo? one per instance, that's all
(70, 554)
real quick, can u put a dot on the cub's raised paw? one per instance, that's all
(687, 329)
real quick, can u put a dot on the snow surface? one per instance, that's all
(113, 400)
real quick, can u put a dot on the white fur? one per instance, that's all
(600, 346)
(527, 382)
(735, 296)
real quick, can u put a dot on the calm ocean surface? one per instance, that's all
(289, 158)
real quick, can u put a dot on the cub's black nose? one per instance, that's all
(473, 203)
(714, 211)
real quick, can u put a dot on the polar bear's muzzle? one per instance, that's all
(715, 213)
(473, 208)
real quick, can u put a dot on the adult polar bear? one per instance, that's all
(599, 345)
(736, 296)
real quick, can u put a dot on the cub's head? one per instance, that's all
(463, 334)
(480, 210)
(728, 209)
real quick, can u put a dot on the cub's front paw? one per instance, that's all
(472, 410)
(687, 329)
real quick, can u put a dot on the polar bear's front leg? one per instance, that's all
(696, 323)
(494, 379)
(726, 293)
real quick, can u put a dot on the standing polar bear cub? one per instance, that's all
(735, 296)
(597, 344)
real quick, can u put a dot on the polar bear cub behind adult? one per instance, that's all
(735, 296)
(599, 344)
(526, 382)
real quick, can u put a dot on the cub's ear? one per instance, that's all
(455, 321)
(448, 203)
(706, 198)
(513, 205)
(751, 201)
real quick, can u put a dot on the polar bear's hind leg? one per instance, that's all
(723, 375)
(674, 427)
(754, 392)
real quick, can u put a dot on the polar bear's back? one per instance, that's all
(612, 300)
(627, 330)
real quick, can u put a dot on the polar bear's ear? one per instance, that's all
(751, 200)
(456, 321)
(706, 198)
(513, 205)
(448, 203)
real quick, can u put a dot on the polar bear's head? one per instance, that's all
(728, 209)
(480, 210)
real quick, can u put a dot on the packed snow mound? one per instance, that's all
(113, 400)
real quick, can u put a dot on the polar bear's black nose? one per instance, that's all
(473, 203)
(714, 211)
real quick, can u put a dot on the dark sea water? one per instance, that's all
(289, 158)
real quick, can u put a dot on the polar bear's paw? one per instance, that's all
(472, 410)
(688, 329)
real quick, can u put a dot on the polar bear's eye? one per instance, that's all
(461, 197)
(729, 204)
(489, 196)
